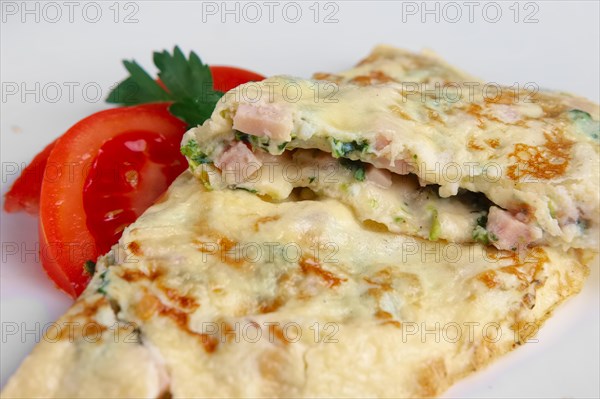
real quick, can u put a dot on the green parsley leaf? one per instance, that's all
(188, 82)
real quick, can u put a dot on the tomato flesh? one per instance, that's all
(128, 174)
(24, 195)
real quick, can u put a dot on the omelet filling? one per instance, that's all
(407, 162)
(401, 203)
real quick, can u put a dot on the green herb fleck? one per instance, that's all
(250, 190)
(259, 142)
(311, 179)
(191, 151)
(282, 146)
(343, 149)
(239, 136)
(480, 233)
(399, 219)
(104, 284)
(90, 267)
(436, 228)
(356, 167)
(577, 115)
(482, 221)
(584, 122)
(188, 82)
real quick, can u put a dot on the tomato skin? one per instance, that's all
(66, 242)
(24, 194)
(226, 78)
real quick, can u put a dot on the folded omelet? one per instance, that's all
(439, 156)
(306, 255)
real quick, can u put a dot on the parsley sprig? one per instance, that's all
(188, 82)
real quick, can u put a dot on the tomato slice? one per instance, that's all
(226, 78)
(24, 195)
(100, 176)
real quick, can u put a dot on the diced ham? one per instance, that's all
(237, 163)
(381, 142)
(269, 120)
(510, 233)
(379, 177)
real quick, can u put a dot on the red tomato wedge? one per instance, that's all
(100, 176)
(24, 195)
(226, 78)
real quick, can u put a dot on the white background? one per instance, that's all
(57, 46)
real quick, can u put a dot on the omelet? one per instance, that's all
(225, 294)
(427, 151)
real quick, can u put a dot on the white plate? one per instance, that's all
(48, 48)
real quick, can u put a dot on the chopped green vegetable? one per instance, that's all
(584, 122)
(311, 179)
(480, 233)
(436, 228)
(482, 221)
(264, 143)
(191, 151)
(399, 219)
(343, 149)
(188, 83)
(356, 167)
(282, 146)
(250, 190)
(239, 136)
(90, 267)
(104, 284)
(577, 114)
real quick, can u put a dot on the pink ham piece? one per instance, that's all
(269, 120)
(237, 163)
(511, 233)
(379, 177)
